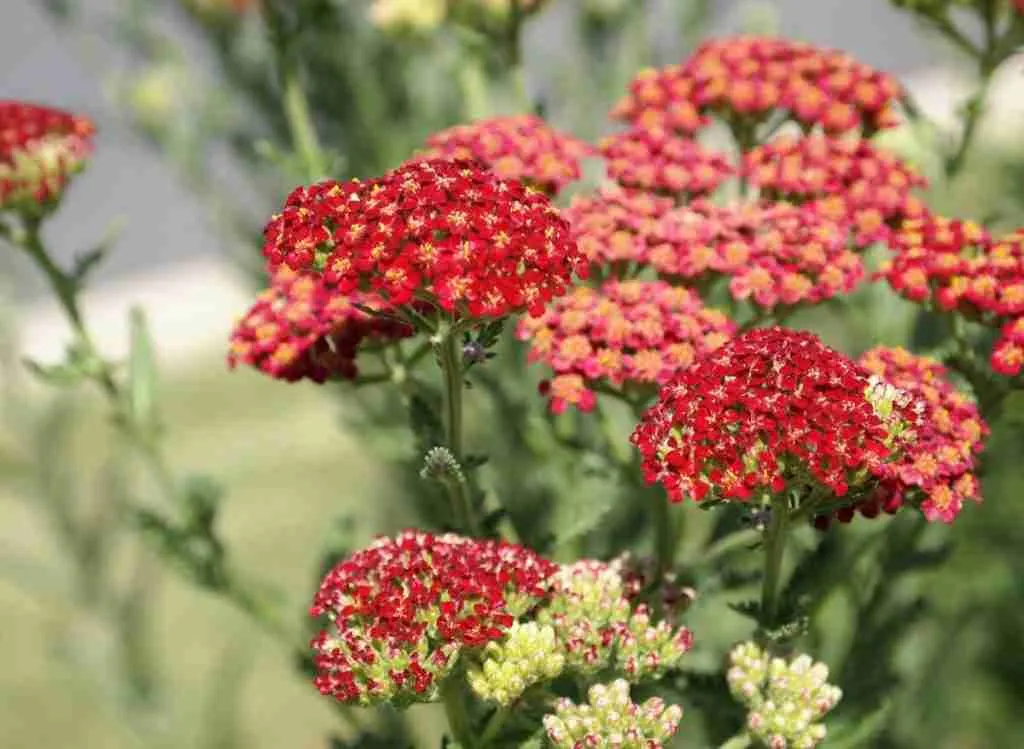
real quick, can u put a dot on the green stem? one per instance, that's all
(666, 533)
(455, 711)
(725, 546)
(493, 726)
(451, 364)
(774, 549)
(66, 290)
(300, 123)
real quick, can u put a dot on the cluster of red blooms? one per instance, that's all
(522, 147)
(614, 226)
(298, 329)
(625, 332)
(450, 233)
(752, 76)
(40, 150)
(938, 466)
(851, 181)
(661, 162)
(774, 253)
(771, 409)
(959, 266)
(401, 610)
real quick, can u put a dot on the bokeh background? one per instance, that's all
(100, 644)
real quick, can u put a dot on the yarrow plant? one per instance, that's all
(653, 305)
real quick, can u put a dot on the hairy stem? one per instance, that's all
(455, 711)
(451, 364)
(774, 550)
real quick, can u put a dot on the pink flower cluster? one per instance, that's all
(298, 329)
(751, 76)
(850, 181)
(661, 162)
(522, 147)
(958, 266)
(625, 334)
(937, 469)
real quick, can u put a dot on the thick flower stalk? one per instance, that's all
(661, 162)
(529, 654)
(771, 413)
(400, 613)
(774, 254)
(598, 626)
(299, 329)
(851, 181)
(616, 228)
(625, 335)
(610, 718)
(786, 700)
(41, 149)
(937, 471)
(744, 79)
(448, 233)
(522, 147)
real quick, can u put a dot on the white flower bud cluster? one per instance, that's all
(785, 699)
(528, 655)
(611, 719)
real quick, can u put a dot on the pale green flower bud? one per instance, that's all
(611, 719)
(785, 699)
(528, 655)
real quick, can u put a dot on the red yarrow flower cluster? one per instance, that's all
(624, 334)
(522, 147)
(848, 180)
(41, 148)
(1008, 352)
(300, 329)
(751, 76)
(773, 253)
(400, 612)
(614, 227)
(771, 410)
(658, 161)
(445, 232)
(937, 469)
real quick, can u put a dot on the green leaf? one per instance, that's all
(202, 495)
(582, 510)
(56, 375)
(141, 395)
(89, 260)
(861, 732)
(750, 609)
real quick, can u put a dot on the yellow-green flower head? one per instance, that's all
(528, 655)
(598, 627)
(407, 15)
(611, 719)
(785, 699)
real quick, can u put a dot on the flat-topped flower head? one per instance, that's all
(399, 612)
(614, 227)
(522, 147)
(959, 266)
(448, 233)
(752, 76)
(936, 471)
(610, 718)
(661, 162)
(849, 180)
(771, 411)
(625, 335)
(300, 329)
(773, 253)
(41, 149)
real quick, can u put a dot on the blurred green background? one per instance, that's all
(101, 646)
